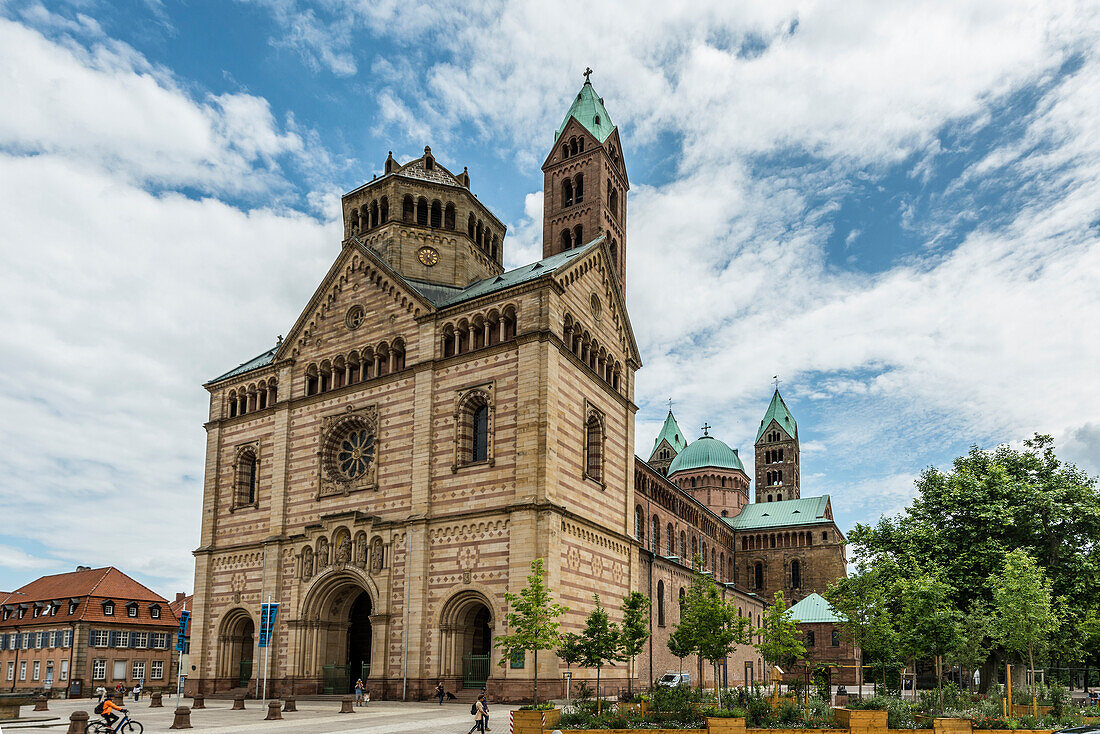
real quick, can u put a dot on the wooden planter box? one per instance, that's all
(1024, 709)
(952, 726)
(732, 725)
(633, 708)
(633, 731)
(861, 722)
(533, 722)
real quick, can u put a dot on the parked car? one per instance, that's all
(1090, 729)
(673, 679)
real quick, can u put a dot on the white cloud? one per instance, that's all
(18, 560)
(108, 106)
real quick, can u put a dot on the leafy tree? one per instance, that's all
(635, 630)
(601, 642)
(780, 639)
(532, 617)
(964, 522)
(709, 626)
(1025, 617)
(861, 604)
(681, 645)
(570, 651)
(975, 637)
(927, 622)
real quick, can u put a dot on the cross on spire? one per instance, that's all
(706, 429)
(777, 381)
(670, 405)
(587, 73)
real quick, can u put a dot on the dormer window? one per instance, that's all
(154, 612)
(72, 607)
(131, 609)
(596, 119)
(108, 609)
(22, 611)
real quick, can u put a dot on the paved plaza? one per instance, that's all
(381, 717)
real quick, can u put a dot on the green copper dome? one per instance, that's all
(706, 452)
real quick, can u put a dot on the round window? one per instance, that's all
(354, 453)
(354, 318)
(596, 306)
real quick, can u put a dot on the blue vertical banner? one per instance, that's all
(267, 622)
(181, 635)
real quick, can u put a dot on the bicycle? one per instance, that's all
(125, 725)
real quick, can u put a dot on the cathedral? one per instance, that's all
(433, 422)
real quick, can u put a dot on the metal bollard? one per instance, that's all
(273, 712)
(182, 719)
(346, 705)
(78, 722)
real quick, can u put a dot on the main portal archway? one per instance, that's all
(339, 640)
(466, 634)
(236, 644)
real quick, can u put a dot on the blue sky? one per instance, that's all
(893, 207)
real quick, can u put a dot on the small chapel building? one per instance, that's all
(434, 422)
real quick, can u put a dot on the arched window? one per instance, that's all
(578, 235)
(564, 151)
(374, 214)
(661, 603)
(681, 597)
(694, 549)
(683, 546)
(481, 433)
(474, 429)
(567, 193)
(655, 534)
(670, 540)
(421, 210)
(703, 559)
(437, 214)
(248, 475)
(572, 146)
(566, 240)
(796, 575)
(758, 575)
(385, 210)
(613, 201)
(578, 188)
(593, 448)
(449, 216)
(836, 638)
(471, 224)
(407, 209)
(639, 524)
(478, 233)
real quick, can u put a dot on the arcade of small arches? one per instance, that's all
(710, 480)
(478, 331)
(435, 214)
(773, 456)
(571, 238)
(355, 367)
(773, 436)
(253, 397)
(572, 190)
(794, 571)
(588, 349)
(798, 539)
(774, 478)
(574, 146)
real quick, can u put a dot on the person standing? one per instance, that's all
(100, 692)
(440, 692)
(359, 687)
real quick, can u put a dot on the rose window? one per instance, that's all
(354, 453)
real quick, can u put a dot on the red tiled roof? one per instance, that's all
(106, 582)
(92, 587)
(181, 605)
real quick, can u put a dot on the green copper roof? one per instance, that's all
(588, 108)
(778, 412)
(255, 363)
(814, 608)
(805, 511)
(671, 432)
(705, 452)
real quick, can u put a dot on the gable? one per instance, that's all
(357, 278)
(593, 274)
(614, 149)
(773, 423)
(572, 129)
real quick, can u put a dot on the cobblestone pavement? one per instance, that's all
(381, 717)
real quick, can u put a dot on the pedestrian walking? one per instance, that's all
(100, 692)
(480, 713)
(137, 692)
(440, 692)
(359, 688)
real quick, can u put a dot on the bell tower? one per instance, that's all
(585, 182)
(777, 462)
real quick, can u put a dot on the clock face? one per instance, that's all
(428, 256)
